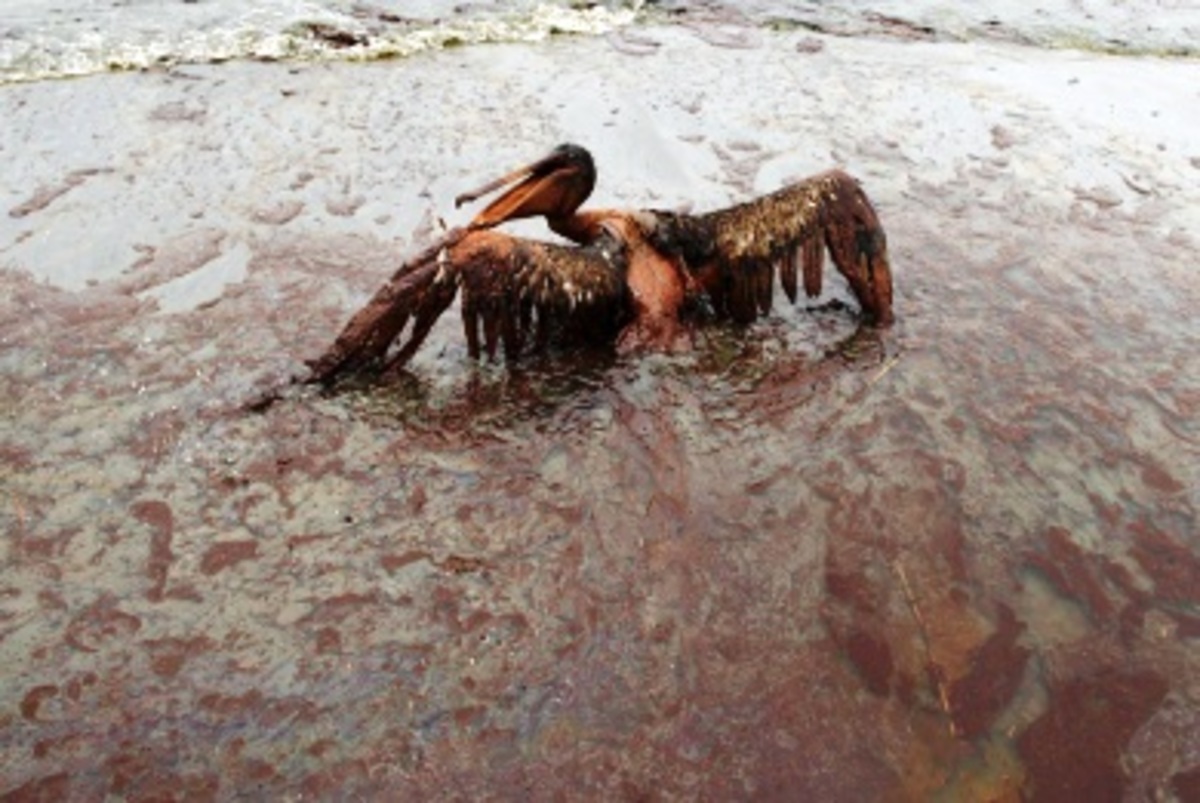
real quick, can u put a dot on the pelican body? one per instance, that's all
(629, 276)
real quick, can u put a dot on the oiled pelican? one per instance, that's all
(629, 275)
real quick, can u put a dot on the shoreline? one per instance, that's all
(73, 45)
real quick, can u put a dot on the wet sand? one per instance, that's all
(953, 560)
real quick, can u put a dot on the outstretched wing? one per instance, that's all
(735, 252)
(512, 288)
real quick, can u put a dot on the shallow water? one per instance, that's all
(42, 39)
(47, 39)
(749, 570)
(955, 559)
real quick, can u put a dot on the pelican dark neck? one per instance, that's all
(576, 228)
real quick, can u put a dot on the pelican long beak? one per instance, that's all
(508, 178)
(553, 186)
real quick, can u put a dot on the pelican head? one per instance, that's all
(552, 187)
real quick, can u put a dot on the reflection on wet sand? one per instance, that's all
(925, 562)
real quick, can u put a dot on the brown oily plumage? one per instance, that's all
(627, 278)
(735, 252)
(514, 292)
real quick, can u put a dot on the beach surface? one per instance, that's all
(956, 559)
